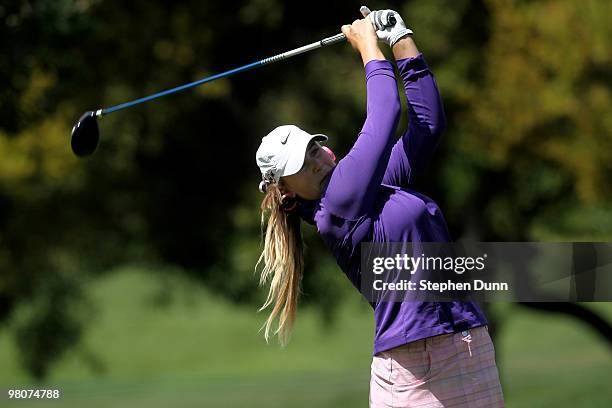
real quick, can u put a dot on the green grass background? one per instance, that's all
(159, 342)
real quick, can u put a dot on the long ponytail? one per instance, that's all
(283, 260)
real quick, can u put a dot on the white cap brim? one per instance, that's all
(298, 154)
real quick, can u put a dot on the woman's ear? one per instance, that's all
(289, 202)
(282, 186)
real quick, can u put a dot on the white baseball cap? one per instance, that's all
(281, 152)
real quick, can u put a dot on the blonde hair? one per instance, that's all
(283, 259)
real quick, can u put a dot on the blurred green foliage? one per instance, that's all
(526, 156)
(201, 350)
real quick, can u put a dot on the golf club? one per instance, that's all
(85, 134)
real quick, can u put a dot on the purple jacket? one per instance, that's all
(368, 199)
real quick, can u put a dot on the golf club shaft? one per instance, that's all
(326, 41)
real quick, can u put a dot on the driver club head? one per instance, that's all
(85, 135)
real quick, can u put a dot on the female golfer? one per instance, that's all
(426, 354)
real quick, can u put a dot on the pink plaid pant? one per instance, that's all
(452, 370)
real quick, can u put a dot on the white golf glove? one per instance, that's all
(386, 32)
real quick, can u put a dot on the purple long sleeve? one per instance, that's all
(356, 179)
(367, 200)
(426, 123)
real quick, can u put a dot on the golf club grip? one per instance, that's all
(313, 46)
(333, 40)
(341, 37)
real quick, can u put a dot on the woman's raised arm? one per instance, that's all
(356, 179)
(425, 114)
